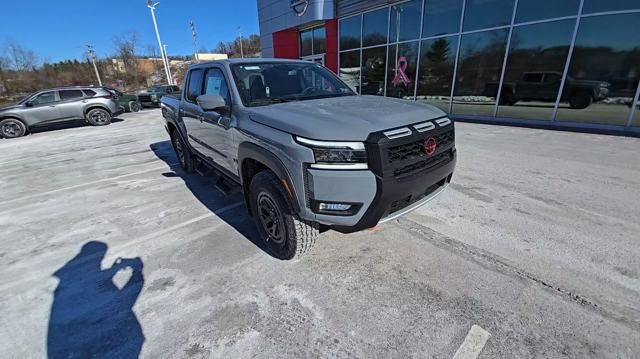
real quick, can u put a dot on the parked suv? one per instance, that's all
(95, 105)
(308, 152)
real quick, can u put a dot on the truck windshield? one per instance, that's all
(261, 84)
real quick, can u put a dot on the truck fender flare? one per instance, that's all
(248, 150)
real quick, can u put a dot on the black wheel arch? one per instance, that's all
(252, 159)
(96, 107)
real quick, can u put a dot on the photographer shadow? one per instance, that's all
(90, 316)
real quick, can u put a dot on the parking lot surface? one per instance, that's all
(533, 251)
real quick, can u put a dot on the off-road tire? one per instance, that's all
(580, 101)
(12, 128)
(134, 106)
(186, 159)
(98, 117)
(298, 236)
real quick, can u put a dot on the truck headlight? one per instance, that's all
(336, 155)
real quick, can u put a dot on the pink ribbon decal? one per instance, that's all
(401, 76)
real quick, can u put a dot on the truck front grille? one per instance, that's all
(401, 158)
(144, 98)
(415, 149)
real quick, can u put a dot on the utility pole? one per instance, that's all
(152, 6)
(241, 51)
(91, 54)
(194, 34)
(166, 54)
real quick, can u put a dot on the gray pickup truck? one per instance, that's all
(308, 153)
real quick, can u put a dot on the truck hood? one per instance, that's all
(347, 118)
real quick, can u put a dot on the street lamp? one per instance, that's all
(241, 51)
(92, 55)
(152, 6)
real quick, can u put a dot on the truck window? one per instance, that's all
(215, 84)
(43, 98)
(175, 88)
(549, 78)
(532, 77)
(194, 88)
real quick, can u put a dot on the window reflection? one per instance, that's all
(373, 70)
(350, 69)
(405, 21)
(319, 40)
(537, 58)
(531, 10)
(441, 17)
(591, 6)
(375, 27)
(350, 33)
(482, 14)
(306, 43)
(401, 70)
(604, 71)
(479, 69)
(635, 121)
(437, 59)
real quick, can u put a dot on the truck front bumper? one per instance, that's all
(377, 199)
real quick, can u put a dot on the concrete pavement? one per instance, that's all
(535, 243)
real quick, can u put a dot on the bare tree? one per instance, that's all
(21, 59)
(125, 50)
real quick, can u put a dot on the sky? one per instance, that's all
(58, 29)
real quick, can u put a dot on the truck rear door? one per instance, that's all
(190, 111)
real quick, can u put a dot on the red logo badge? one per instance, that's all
(430, 146)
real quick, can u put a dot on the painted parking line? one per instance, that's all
(473, 343)
(84, 184)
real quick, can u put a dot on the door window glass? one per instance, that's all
(350, 33)
(531, 10)
(604, 71)
(537, 58)
(437, 60)
(306, 43)
(373, 69)
(215, 84)
(319, 40)
(441, 17)
(482, 14)
(375, 27)
(405, 21)
(44, 98)
(91, 93)
(591, 6)
(195, 85)
(479, 68)
(66, 95)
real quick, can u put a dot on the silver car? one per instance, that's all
(95, 105)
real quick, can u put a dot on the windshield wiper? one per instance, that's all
(268, 100)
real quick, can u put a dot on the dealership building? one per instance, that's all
(557, 63)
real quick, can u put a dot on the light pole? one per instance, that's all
(92, 55)
(241, 51)
(166, 54)
(152, 6)
(194, 34)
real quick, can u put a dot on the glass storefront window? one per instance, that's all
(437, 59)
(635, 121)
(350, 69)
(401, 70)
(405, 21)
(604, 71)
(482, 14)
(591, 6)
(306, 43)
(532, 10)
(319, 40)
(537, 58)
(373, 69)
(350, 33)
(441, 17)
(479, 69)
(375, 27)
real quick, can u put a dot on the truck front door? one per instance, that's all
(216, 125)
(191, 112)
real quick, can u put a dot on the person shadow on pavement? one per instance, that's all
(92, 317)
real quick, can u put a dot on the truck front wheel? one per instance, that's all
(580, 100)
(284, 233)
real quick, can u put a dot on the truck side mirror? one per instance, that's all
(28, 104)
(211, 102)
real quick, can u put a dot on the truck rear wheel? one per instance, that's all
(134, 106)
(99, 117)
(580, 101)
(284, 233)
